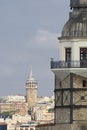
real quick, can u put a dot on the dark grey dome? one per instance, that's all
(76, 26)
(78, 3)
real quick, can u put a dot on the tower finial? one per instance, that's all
(31, 75)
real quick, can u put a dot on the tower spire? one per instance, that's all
(31, 75)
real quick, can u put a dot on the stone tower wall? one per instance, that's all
(77, 81)
(31, 96)
(62, 115)
(79, 98)
(65, 83)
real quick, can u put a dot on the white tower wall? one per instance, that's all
(75, 45)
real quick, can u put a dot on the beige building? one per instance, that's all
(18, 107)
(44, 113)
(7, 107)
(31, 91)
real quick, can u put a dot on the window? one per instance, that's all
(68, 54)
(83, 54)
(31, 129)
(84, 83)
(26, 128)
(60, 84)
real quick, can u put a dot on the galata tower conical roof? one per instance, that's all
(31, 79)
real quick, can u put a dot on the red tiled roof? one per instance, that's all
(43, 125)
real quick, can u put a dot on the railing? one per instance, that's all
(68, 64)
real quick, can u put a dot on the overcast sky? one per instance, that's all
(28, 37)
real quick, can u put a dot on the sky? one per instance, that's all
(28, 37)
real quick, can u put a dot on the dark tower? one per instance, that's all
(71, 71)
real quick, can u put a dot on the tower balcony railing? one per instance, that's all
(68, 64)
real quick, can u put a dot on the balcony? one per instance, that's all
(68, 64)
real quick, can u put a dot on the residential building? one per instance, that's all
(21, 118)
(3, 126)
(44, 112)
(14, 98)
(39, 114)
(16, 107)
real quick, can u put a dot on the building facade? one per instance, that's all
(31, 91)
(3, 126)
(25, 127)
(16, 107)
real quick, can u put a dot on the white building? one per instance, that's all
(2, 120)
(39, 114)
(11, 123)
(21, 118)
(15, 98)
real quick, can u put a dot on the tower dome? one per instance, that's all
(78, 3)
(76, 26)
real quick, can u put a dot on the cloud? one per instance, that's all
(41, 47)
(25, 42)
(44, 40)
(17, 60)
